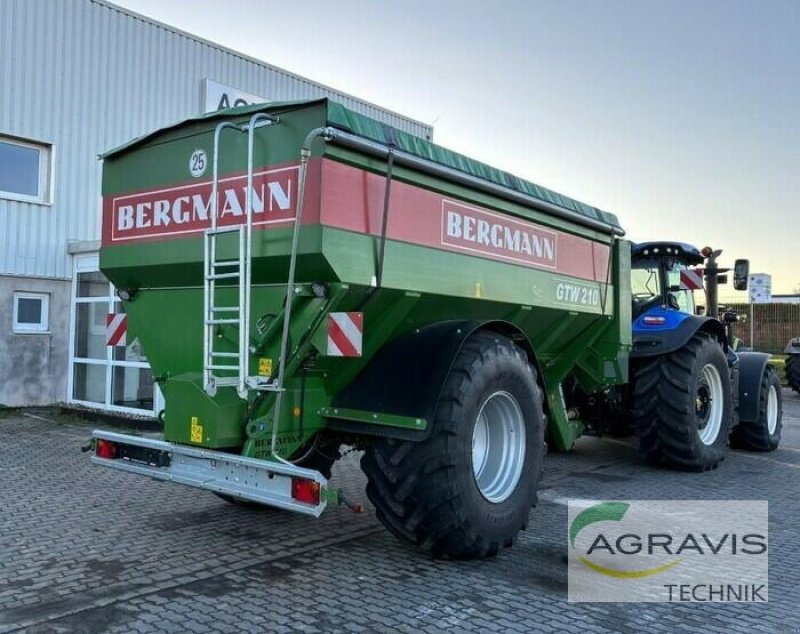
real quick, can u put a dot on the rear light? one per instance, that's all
(654, 320)
(106, 449)
(306, 491)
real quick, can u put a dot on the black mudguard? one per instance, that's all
(751, 370)
(406, 376)
(653, 344)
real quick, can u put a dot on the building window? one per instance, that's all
(31, 312)
(116, 378)
(25, 170)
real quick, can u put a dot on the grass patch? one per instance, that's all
(6, 411)
(779, 361)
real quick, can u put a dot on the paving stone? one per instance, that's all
(90, 549)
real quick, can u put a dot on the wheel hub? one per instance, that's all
(772, 410)
(703, 404)
(498, 447)
(709, 404)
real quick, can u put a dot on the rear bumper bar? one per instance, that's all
(260, 481)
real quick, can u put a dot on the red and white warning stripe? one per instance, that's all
(345, 332)
(692, 279)
(116, 329)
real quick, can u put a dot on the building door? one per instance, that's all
(109, 377)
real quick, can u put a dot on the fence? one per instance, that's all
(768, 327)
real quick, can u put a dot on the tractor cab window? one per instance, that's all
(682, 296)
(648, 281)
(645, 283)
(645, 289)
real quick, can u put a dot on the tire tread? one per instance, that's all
(412, 484)
(664, 409)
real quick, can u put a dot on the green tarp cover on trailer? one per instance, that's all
(345, 119)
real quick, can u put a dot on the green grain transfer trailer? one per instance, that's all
(302, 277)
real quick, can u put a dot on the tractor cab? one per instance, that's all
(662, 278)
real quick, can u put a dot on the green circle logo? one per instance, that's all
(609, 512)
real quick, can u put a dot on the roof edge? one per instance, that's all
(248, 58)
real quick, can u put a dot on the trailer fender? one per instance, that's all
(751, 370)
(405, 377)
(651, 342)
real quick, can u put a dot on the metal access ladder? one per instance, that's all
(238, 271)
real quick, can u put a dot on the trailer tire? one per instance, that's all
(793, 371)
(451, 494)
(677, 408)
(763, 434)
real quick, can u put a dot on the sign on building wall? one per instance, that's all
(217, 96)
(760, 288)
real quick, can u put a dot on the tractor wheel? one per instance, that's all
(763, 434)
(467, 490)
(793, 371)
(682, 406)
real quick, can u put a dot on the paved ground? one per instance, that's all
(83, 549)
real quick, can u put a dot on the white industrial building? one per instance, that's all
(77, 78)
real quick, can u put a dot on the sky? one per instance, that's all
(682, 117)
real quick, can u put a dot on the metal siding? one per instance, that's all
(86, 77)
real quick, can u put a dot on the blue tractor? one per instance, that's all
(692, 392)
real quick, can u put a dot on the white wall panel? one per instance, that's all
(87, 76)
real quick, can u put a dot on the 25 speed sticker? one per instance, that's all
(577, 294)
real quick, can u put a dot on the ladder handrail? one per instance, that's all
(209, 248)
(246, 253)
(215, 169)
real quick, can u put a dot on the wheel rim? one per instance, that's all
(498, 447)
(709, 404)
(772, 410)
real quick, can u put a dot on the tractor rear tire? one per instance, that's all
(682, 406)
(467, 490)
(763, 434)
(793, 371)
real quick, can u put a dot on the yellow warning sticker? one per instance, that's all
(196, 430)
(265, 366)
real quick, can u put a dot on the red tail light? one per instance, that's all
(306, 491)
(106, 449)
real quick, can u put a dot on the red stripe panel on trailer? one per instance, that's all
(345, 334)
(352, 199)
(183, 210)
(116, 329)
(346, 197)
